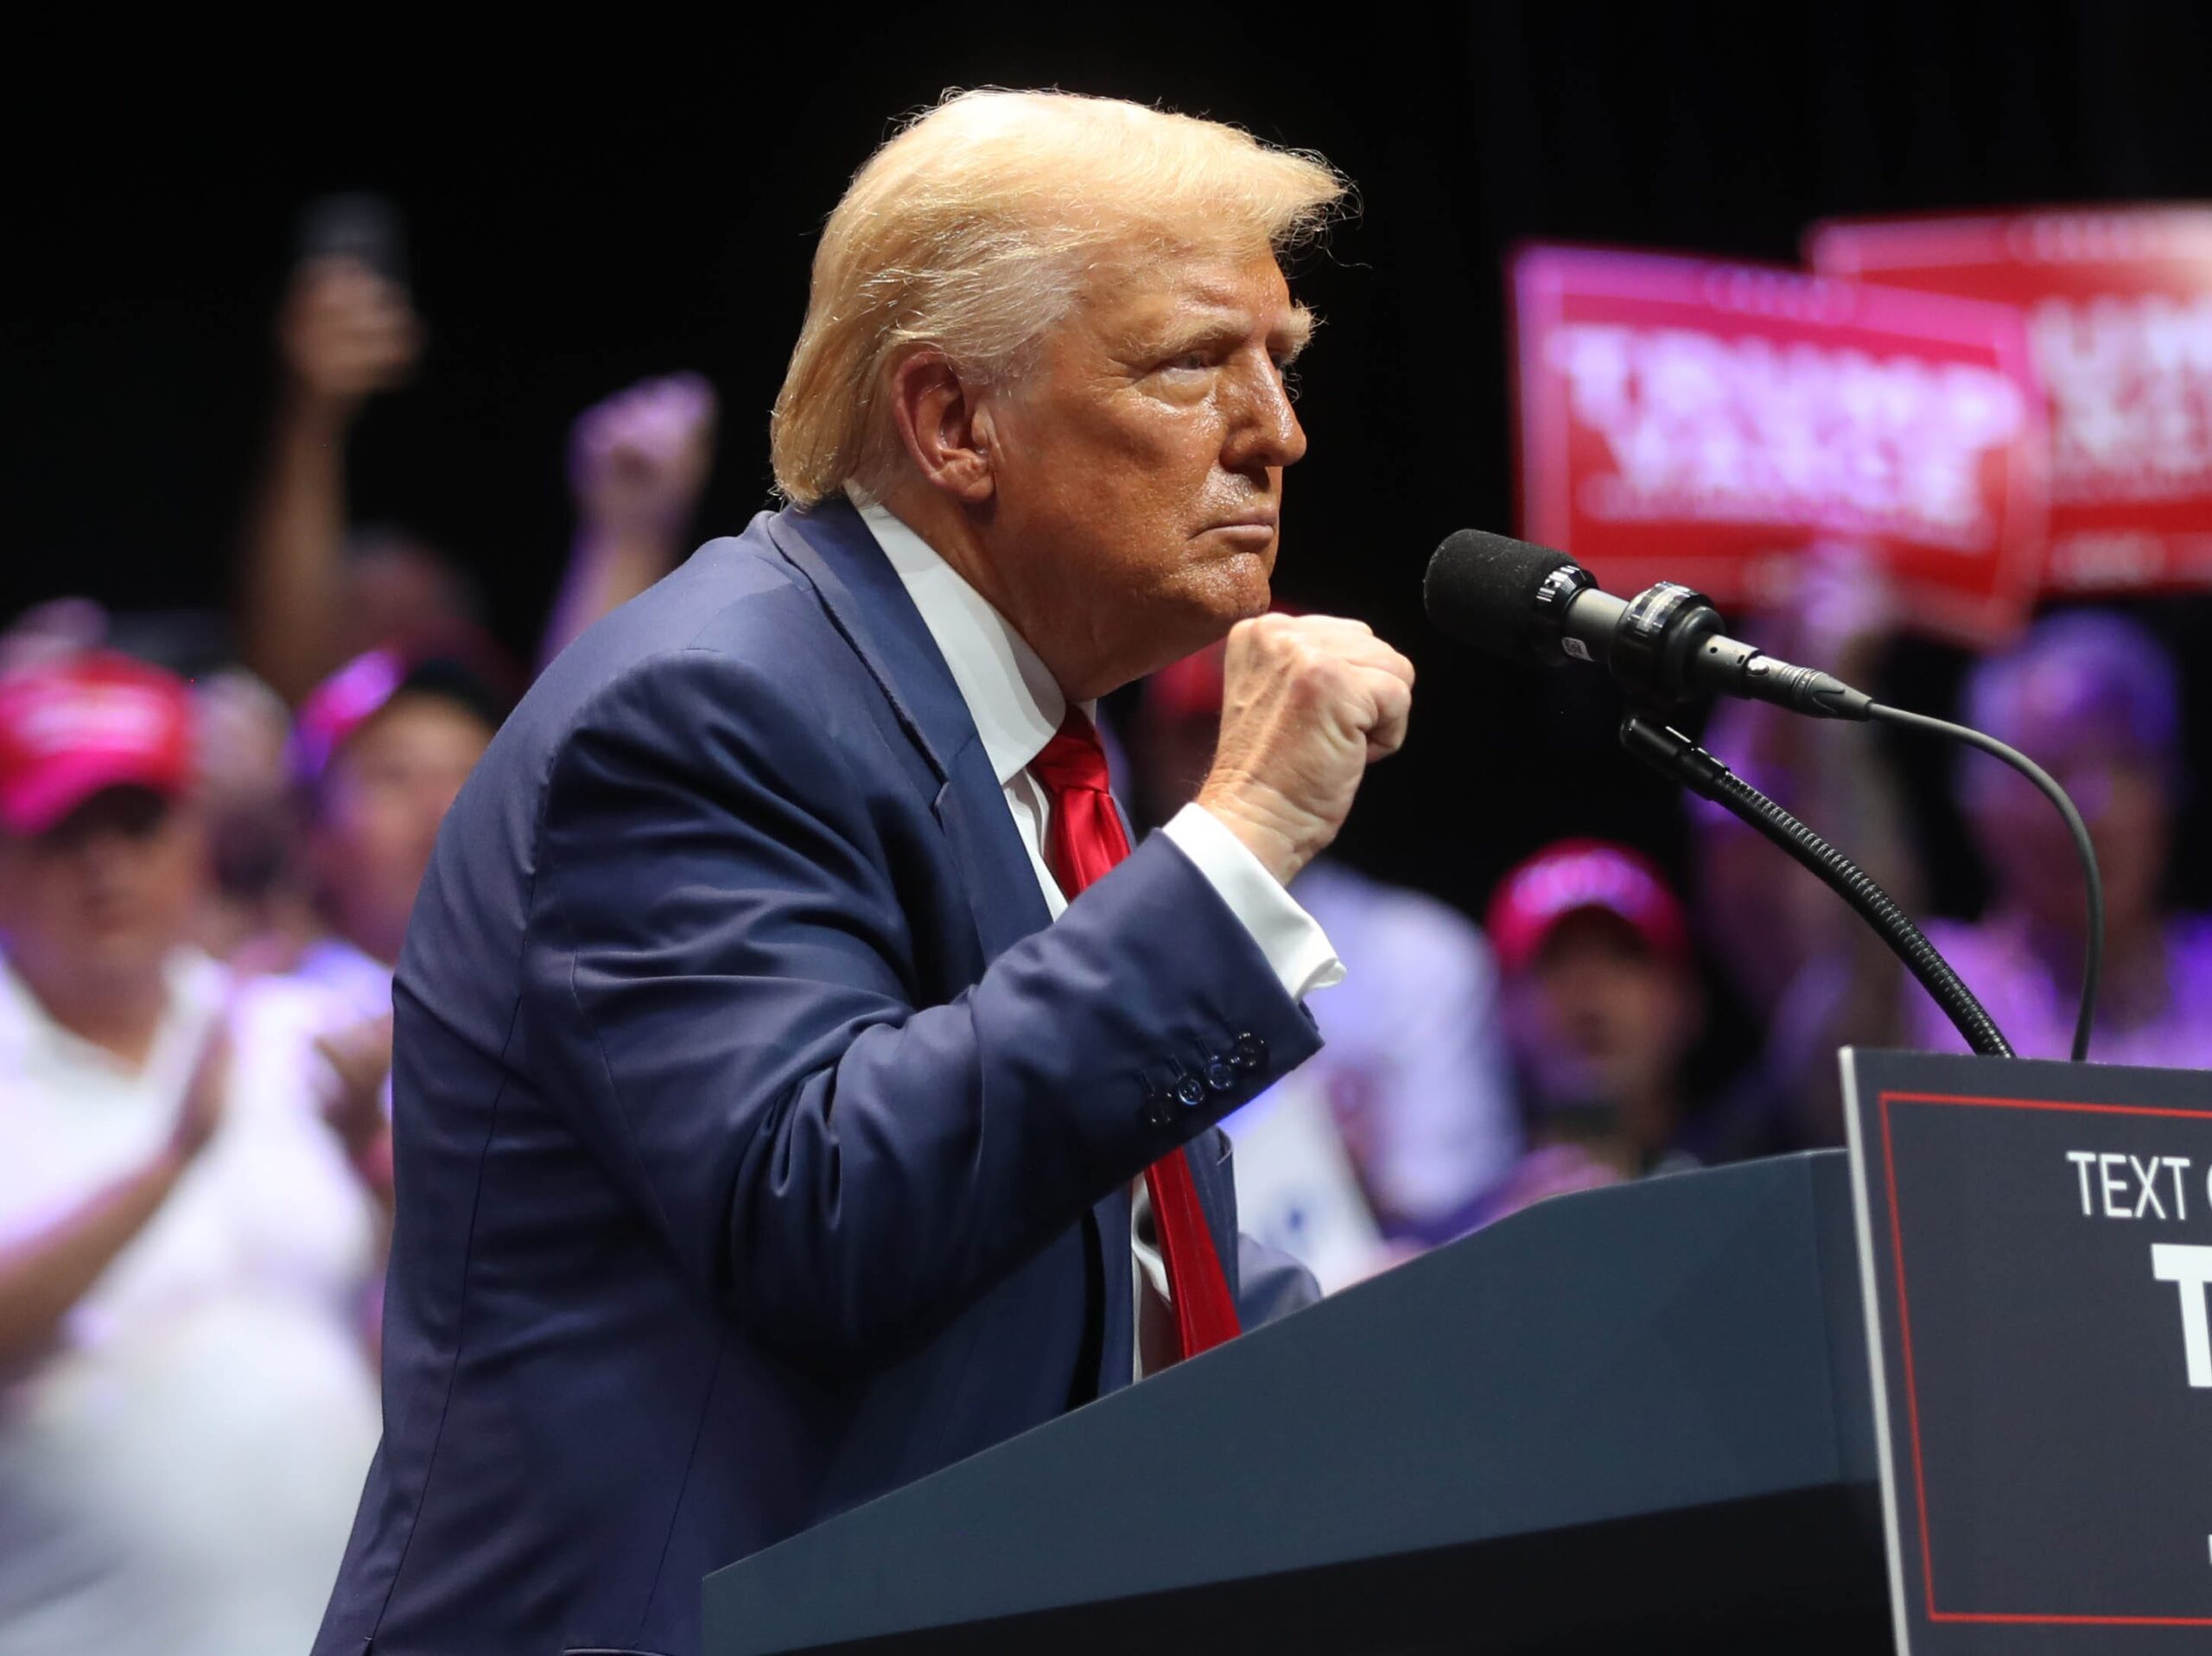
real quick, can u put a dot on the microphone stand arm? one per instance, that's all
(1675, 756)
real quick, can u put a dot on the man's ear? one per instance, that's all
(946, 435)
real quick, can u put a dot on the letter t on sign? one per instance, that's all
(2192, 1267)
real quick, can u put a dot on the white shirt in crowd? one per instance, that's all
(1415, 1069)
(179, 1472)
(1018, 708)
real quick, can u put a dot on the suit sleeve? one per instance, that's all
(722, 966)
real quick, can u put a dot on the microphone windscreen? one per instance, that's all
(1482, 588)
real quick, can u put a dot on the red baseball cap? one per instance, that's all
(1576, 875)
(78, 723)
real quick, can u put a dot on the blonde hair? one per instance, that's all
(971, 229)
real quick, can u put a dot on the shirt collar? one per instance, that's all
(1017, 706)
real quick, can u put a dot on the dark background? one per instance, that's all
(601, 197)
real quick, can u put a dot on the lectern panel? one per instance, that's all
(1645, 1405)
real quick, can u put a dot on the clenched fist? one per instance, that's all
(639, 460)
(1308, 702)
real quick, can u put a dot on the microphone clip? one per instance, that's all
(1667, 648)
(1657, 642)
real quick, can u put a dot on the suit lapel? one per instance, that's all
(832, 547)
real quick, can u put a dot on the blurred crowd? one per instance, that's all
(204, 886)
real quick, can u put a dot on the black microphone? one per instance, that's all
(1509, 598)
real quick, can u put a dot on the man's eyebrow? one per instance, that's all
(1285, 340)
(1294, 335)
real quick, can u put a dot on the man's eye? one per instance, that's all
(1192, 361)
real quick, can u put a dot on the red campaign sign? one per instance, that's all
(1705, 422)
(2119, 308)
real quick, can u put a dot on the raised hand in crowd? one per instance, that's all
(201, 1112)
(45, 1273)
(637, 463)
(344, 334)
(359, 1059)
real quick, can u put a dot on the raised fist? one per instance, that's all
(1308, 702)
(639, 460)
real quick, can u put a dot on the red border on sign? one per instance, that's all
(1911, 1392)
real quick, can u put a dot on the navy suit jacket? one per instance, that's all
(761, 1146)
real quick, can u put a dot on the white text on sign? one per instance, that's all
(2114, 1185)
(2117, 1186)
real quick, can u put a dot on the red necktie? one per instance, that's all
(1084, 840)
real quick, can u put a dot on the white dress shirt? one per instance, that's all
(1018, 708)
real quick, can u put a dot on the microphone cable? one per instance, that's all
(1674, 755)
(2092, 963)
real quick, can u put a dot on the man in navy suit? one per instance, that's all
(800, 1084)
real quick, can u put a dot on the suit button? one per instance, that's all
(1191, 1091)
(1158, 1110)
(1251, 1052)
(1221, 1075)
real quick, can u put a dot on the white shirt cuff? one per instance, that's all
(1291, 939)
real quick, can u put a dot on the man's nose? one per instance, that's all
(1263, 428)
